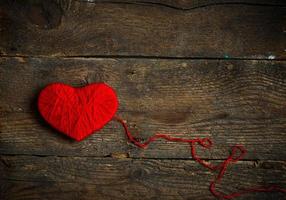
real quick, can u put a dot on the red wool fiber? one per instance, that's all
(78, 112)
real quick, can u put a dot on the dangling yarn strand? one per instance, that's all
(203, 142)
(237, 153)
(222, 167)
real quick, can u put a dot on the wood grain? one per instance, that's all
(183, 4)
(233, 102)
(150, 29)
(169, 61)
(33, 177)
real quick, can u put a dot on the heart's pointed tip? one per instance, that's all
(79, 139)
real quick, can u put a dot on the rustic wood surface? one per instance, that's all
(33, 177)
(136, 29)
(189, 68)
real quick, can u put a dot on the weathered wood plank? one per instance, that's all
(124, 29)
(233, 102)
(31, 177)
(205, 88)
(28, 134)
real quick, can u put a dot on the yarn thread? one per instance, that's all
(237, 153)
(79, 112)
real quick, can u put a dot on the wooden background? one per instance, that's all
(211, 68)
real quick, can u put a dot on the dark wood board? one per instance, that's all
(248, 29)
(53, 177)
(230, 101)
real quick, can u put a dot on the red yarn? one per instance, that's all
(77, 112)
(221, 168)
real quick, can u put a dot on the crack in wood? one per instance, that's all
(191, 7)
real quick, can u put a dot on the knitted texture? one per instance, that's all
(77, 112)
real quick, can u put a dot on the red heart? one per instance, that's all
(77, 112)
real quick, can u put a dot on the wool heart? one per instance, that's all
(77, 112)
